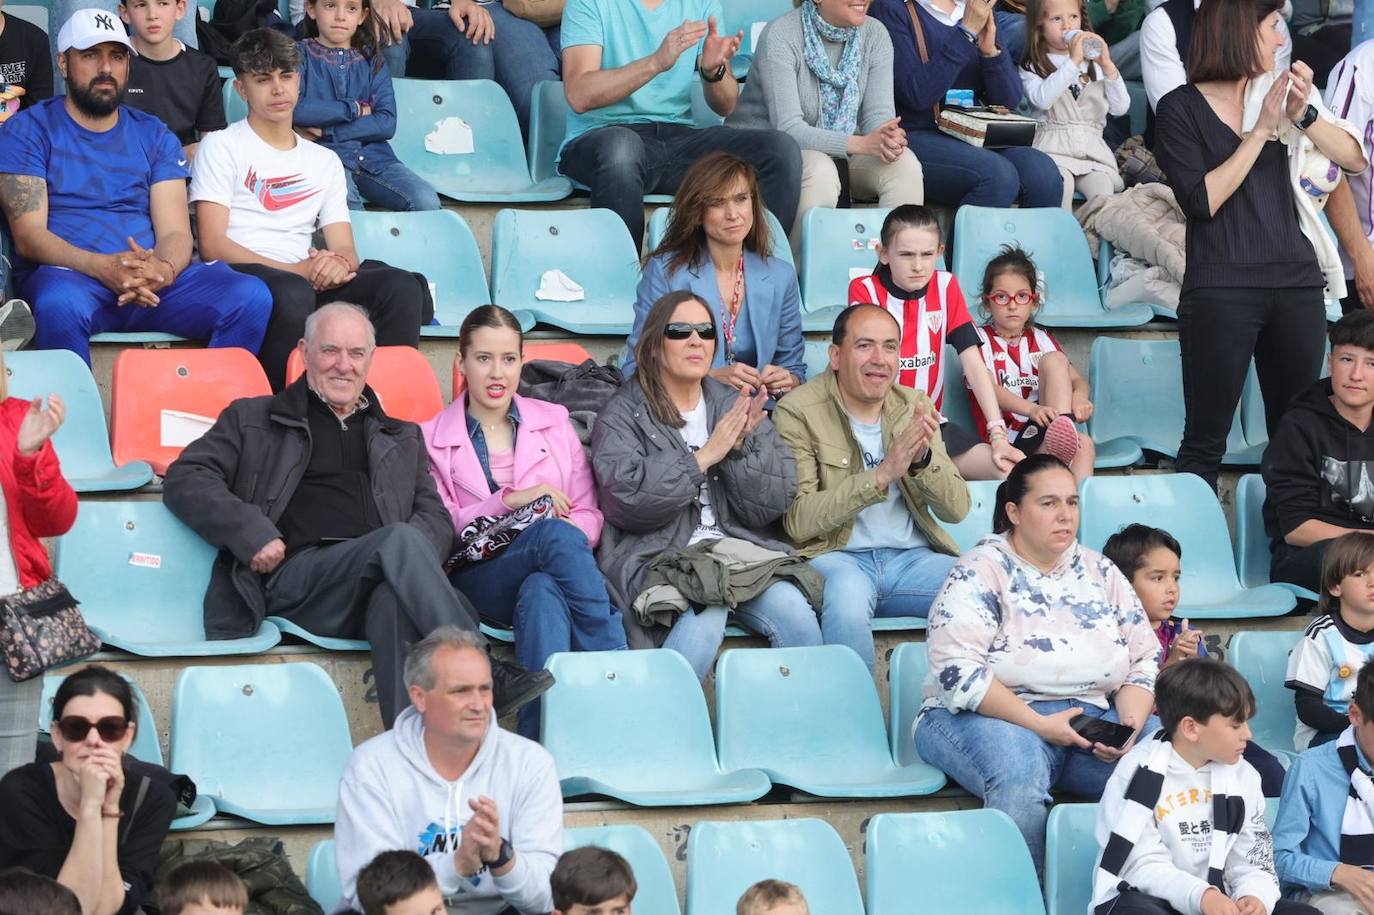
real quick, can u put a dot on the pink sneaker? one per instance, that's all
(1061, 439)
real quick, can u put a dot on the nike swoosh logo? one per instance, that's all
(181, 162)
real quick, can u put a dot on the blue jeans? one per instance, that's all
(867, 583)
(1010, 767)
(392, 187)
(781, 614)
(622, 163)
(525, 54)
(207, 302)
(957, 173)
(546, 586)
(1011, 32)
(438, 50)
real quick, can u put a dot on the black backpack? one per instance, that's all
(231, 19)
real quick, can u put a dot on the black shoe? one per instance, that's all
(513, 686)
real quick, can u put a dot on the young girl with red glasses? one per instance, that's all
(1039, 392)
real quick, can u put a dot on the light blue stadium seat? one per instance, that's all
(1186, 507)
(140, 575)
(1252, 543)
(39, 12)
(1055, 240)
(777, 235)
(322, 876)
(83, 442)
(977, 524)
(1140, 106)
(268, 742)
(946, 857)
(526, 243)
(439, 244)
(657, 893)
(810, 719)
(235, 108)
(836, 246)
(1070, 855)
(328, 643)
(1137, 392)
(633, 725)
(726, 858)
(495, 171)
(817, 357)
(905, 678)
(1262, 658)
(740, 15)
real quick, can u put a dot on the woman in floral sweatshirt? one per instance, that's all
(1031, 631)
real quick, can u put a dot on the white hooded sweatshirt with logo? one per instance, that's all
(391, 798)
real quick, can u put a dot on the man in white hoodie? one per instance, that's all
(480, 804)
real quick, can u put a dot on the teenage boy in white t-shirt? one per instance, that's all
(260, 193)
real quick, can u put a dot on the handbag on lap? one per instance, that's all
(485, 537)
(40, 628)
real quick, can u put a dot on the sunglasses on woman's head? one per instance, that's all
(681, 330)
(1001, 298)
(74, 728)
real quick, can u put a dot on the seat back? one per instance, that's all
(837, 246)
(729, 857)
(163, 399)
(956, 403)
(266, 741)
(947, 856)
(437, 243)
(528, 243)
(1262, 658)
(235, 108)
(656, 893)
(572, 353)
(322, 876)
(145, 746)
(401, 378)
(906, 677)
(1252, 543)
(1180, 503)
(549, 111)
(809, 712)
(745, 15)
(39, 12)
(777, 235)
(1070, 855)
(977, 524)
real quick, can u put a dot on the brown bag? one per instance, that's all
(542, 13)
(40, 628)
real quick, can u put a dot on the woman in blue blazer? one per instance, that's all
(717, 246)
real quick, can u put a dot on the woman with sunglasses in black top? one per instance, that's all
(79, 820)
(681, 458)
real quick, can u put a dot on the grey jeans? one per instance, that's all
(18, 721)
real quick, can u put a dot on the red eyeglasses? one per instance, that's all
(1024, 297)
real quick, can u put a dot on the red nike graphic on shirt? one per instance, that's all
(278, 193)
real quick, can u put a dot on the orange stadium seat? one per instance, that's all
(575, 353)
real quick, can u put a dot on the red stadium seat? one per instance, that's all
(401, 378)
(557, 352)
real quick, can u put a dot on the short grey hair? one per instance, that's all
(419, 667)
(312, 322)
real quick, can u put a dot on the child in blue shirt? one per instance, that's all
(1323, 838)
(347, 104)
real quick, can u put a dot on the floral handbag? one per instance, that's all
(41, 627)
(485, 537)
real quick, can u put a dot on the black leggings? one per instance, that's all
(1302, 567)
(1133, 902)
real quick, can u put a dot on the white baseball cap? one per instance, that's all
(88, 28)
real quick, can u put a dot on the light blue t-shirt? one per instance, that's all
(888, 524)
(627, 30)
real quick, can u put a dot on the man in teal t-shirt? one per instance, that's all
(628, 67)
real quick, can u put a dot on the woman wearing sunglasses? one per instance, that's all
(79, 820)
(717, 246)
(681, 458)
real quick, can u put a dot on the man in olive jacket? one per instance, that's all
(324, 512)
(871, 472)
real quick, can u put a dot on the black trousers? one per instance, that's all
(393, 298)
(1303, 567)
(386, 586)
(1219, 330)
(1132, 902)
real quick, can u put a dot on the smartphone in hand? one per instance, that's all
(1099, 730)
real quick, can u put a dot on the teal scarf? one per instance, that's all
(840, 95)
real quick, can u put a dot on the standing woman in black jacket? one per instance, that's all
(1253, 285)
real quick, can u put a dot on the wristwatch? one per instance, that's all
(1309, 117)
(713, 77)
(504, 856)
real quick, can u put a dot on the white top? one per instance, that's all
(276, 198)
(1043, 91)
(9, 573)
(888, 524)
(1162, 68)
(951, 18)
(1351, 98)
(695, 434)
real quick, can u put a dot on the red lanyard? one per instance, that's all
(728, 315)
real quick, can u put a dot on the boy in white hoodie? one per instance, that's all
(480, 804)
(1181, 823)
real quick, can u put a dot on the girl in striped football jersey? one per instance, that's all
(930, 310)
(1040, 395)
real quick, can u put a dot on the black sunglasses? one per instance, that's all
(681, 330)
(74, 728)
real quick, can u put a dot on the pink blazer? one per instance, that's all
(546, 451)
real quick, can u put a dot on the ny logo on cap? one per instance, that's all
(103, 21)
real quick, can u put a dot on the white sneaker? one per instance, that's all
(16, 325)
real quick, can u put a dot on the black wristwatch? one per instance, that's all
(504, 856)
(714, 77)
(1309, 117)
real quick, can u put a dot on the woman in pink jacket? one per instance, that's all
(492, 452)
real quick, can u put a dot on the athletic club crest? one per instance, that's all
(933, 321)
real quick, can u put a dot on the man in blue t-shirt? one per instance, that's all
(95, 196)
(627, 71)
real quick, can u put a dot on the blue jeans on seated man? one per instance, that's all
(209, 302)
(525, 54)
(781, 614)
(957, 173)
(391, 186)
(623, 162)
(435, 49)
(546, 587)
(1011, 768)
(862, 584)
